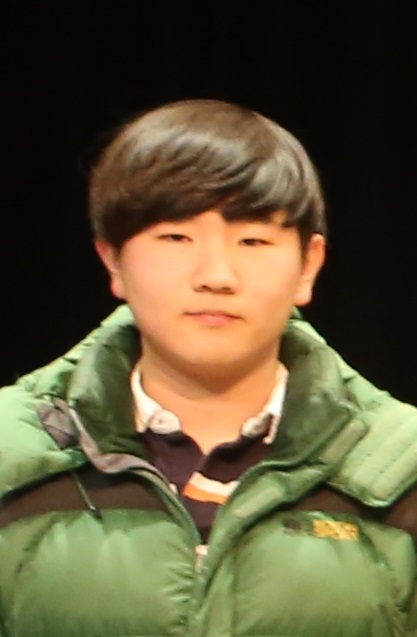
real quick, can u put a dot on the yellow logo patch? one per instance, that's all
(335, 530)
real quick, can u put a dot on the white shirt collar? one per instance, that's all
(150, 414)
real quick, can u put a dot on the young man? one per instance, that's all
(203, 464)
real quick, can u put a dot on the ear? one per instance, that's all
(313, 260)
(111, 260)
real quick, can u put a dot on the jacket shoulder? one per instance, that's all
(27, 452)
(383, 464)
(53, 379)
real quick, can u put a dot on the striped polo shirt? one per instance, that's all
(205, 481)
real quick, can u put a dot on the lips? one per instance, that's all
(213, 318)
(209, 312)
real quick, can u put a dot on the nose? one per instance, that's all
(215, 269)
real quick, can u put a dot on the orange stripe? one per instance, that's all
(203, 496)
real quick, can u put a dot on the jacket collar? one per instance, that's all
(99, 391)
(315, 409)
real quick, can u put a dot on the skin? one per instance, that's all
(211, 299)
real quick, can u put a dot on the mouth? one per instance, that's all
(210, 312)
(213, 317)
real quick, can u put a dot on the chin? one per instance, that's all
(211, 365)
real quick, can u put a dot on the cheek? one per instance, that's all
(150, 313)
(153, 296)
(278, 287)
(148, 279)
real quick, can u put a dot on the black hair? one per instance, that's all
(184, 158)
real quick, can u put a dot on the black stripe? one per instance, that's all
(401, 515)
(124, 491)
(61, 493)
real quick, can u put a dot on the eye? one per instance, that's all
(255, 242)
(174, 237)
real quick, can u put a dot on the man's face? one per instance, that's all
(211, 296)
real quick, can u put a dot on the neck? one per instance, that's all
(213, 410)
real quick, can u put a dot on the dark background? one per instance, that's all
(342, 77)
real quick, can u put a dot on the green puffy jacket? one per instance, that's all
(318, 540)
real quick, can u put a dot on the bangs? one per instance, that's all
(164, 168)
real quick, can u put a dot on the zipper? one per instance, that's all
(180, 513)
(233, 517)
(245, 480)
(174, 504)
